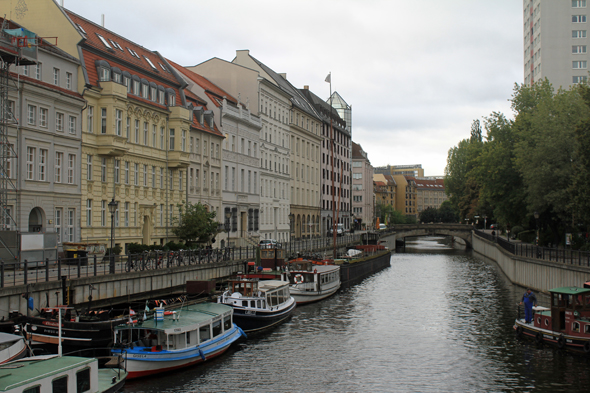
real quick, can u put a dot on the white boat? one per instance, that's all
(12, 347)
(258, 305)
(180, 339)
(47, 374)
(310, 282)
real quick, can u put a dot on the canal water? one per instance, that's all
(438, 320)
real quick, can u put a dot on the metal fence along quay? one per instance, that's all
(551, 254)
(26, 272)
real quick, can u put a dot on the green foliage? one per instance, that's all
(136, 248)
(445, 213)
(173, 246)
(116, 250)
(538, 162)
(388, 215)
(195, 224)
(527, 236)
(516, 231)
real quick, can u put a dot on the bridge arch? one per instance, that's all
(456, 230)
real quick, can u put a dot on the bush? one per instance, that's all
(172, 246)
(116, 250)
(516, 230)
(527, 236)
(136, 248)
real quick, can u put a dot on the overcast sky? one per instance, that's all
(417, 73)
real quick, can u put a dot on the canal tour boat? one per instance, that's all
(258, 305)
(12, 347)
(311, 281)
(182, 338)
(60, 374)
(565, 324)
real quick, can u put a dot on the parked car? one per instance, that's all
(382, 227)
(339, 230)
(268, 243)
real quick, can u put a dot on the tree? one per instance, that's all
(195, 224)
(580, 187)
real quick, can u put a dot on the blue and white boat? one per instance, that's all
(176, 340)
(258, 304)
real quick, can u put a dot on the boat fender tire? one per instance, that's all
(587, 347)
(560, 342)
(518, 331)
(539, 338)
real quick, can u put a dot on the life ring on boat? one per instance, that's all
(539, 338)
(587, 347)
(561, 342)
(298, 279)
(518, 331)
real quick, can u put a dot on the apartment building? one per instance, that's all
(363, 209)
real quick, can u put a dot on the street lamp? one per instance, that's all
(536, 214)
(227, 224)
(112, 209)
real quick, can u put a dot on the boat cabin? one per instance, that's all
(272, 258)
(255, 294)
(569, 313)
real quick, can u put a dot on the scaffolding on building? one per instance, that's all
(18, 47)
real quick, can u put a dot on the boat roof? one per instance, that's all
(28, 370)
(7, 337)
(570, 290)
(268, 285)
(187, 319)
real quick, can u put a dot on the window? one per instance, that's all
(154, 135)
(136, 131)
(103, 169)
(581, 65)
(31, 151)
(103, 213)
(126, 214)
(56, 76)
(72, 125)
(38, 71)
(90, 119)
(578, 3)
(145, 133)
(171, 145)
(128, 132)
(103, 120)
(578, 33)
(83, 378)
(89, 213)
(183, 147)
(42, 165)
(145, 175)
(59, 121)
(153, 176)
(59, 157)
(577, 49)
(104, 42)
(136, 85)
(579, 18)
(71, 166)
(88, 167)
(161, 137)
(145, 91)
(117, 168)
(43, 113)
(136, 174)
(161, 177)
(180, 180)
(126, 172)
(119, 122)
(71, 223)
(32, 114)
(68, 80)
(579, 79)
(170, 180)
(58, 218)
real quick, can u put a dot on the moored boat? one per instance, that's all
(59, 374)
(258, 305)
(12, 347)
(566, 324)
(90, 330)
(311, 282)
(181, 339)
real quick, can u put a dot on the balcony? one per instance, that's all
(178, 159)
(111, 145)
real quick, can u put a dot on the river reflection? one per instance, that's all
(438, 320)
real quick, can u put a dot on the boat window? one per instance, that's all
(244, 303)
(34, 389)
(263, 303)
(546, 321)
(258, 303)
(60, 384)
(539, 320)
(205, 333)
(587, 328)
(83, 380)
(576, 327)
(253, 303)
(226, 322)
(216, 328)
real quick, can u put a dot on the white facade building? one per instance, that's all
(555, 41)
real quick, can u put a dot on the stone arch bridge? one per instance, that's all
(400, 232)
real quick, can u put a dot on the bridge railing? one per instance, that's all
(561, 255)
(27, 272)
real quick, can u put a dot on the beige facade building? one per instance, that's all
(430, 192)
(555, 35)
(363, 209)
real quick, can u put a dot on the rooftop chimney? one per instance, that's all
(102, 19)
(305, 87)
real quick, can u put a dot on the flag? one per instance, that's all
(329, 78)
(147, 308)
(131, 312)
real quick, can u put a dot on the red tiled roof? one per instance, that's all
(93, 41)
(214, 92)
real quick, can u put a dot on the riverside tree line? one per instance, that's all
(530, 173)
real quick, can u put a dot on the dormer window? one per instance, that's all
(161, 95)
(145, 88)
(150, 63)
(104, 71)
(171, 97)
(105, 43)
(132, 52)
(127, 81)
(163, 67)
(136, 85)
(153, 92)
(116, 75)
